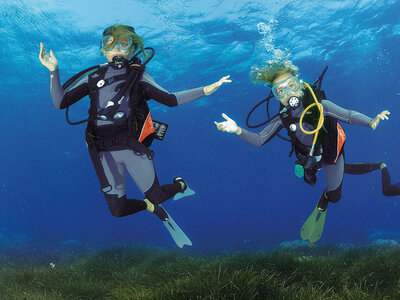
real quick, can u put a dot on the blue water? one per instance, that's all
(246, 197)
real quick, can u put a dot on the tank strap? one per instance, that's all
(288, 120)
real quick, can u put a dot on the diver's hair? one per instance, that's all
(121, 29)
(272, 70)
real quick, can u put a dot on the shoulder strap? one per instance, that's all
(91, 72)
(134, 75)
(288, 120)
(96, 80)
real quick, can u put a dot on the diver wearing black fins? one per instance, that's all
(120, 128)
(316, 136)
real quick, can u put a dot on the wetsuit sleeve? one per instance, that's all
(62, 99)
(264, 136)
(156, 92)
(345, 115)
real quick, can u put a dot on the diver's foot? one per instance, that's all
(186, 190)
(182, 182)
(323, 202)
(157, 210)
(383, 165)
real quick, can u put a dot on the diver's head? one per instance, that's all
(120, 40)
(282, 77)
(288, 89)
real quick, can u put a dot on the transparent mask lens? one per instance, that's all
(124, 42)
(107, 42)
(293, 85)
(286, 87)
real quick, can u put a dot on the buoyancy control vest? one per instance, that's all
(331, 137)
(139, 124)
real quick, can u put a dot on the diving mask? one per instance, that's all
(286, 87)
(108, 42)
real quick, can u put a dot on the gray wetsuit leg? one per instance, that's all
(115, 194)
(334, 174)
(142, 171)
(334, 179)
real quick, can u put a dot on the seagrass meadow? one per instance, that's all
(123, 273)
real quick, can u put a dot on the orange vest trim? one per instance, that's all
(147, 129)
(340, 140)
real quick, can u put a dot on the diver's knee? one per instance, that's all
(335, 195)
(155, 193)
(388, 191)
(116, 204)
(385, 191)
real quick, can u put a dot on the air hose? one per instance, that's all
(320, 120)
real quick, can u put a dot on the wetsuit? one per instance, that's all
(333, 172)
(388, 189)
(114, 163)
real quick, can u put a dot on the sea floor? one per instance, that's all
(125, 272)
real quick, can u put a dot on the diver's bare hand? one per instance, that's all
(49, 61)
(228, 126)
(209, 89)
(382, 116)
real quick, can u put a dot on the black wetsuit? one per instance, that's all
(333, 172)
(387, 188)
(115, 163)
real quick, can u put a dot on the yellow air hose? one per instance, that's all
(320, 121)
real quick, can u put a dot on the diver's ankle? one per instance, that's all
(183, 185)
(181, 182)
(150, 206)
(383, 165)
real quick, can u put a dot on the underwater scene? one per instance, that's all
(210, 149)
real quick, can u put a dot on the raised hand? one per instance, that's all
(382, 116)
(49, 61)
(209, 89)
(228, 126)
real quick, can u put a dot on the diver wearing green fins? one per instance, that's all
(314, 132)
(120, 128)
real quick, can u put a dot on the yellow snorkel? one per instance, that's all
(320, 120)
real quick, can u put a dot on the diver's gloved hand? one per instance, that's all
(228, 126)
(49, 61)
(382, 116)
(209, 89)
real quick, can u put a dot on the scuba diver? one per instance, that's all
(120, 128)
(316, 136)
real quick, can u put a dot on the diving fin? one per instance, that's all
(314, 226)
(186, 193)
(177, 234)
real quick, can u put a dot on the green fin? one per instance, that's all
(177, 234)
(314, 226)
